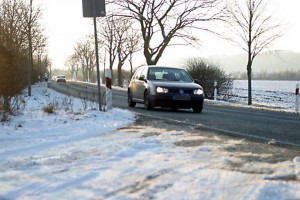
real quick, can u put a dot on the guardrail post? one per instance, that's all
(108, 89)
(215, 90)
(297, 98)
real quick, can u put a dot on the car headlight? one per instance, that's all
(198, 91)
(162, 90)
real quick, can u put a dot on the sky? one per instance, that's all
(78, 153)
(65, 26)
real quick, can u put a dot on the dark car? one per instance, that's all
(169, 87)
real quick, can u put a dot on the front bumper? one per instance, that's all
(176, 101)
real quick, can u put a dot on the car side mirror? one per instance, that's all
(197, 81)
(142, 79)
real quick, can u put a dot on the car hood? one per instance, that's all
(176, 85)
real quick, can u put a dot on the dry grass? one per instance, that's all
(49, 109)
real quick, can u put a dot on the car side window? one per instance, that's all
(144, 73)
(137, 73)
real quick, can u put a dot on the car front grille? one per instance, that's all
(177, 91)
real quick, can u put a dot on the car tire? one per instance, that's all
(198, 109)
(130, 101)
(147, 103)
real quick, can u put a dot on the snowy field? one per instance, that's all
(277, 94)
(80, 153)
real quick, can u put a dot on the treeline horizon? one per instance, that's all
(287, 75)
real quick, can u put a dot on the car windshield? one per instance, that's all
(168, 74)
(60, 76)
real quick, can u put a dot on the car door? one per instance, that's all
(141, 83)
(134, 83)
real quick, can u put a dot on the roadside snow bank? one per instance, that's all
(297, 167)
(35, 131)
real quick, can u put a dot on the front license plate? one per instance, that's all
(182, 98)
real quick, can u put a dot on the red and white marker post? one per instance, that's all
(297, 98)
(108, 89)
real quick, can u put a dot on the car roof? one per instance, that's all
(158, 66)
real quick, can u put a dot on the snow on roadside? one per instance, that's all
(35, 130)
(79, 154)
(272, 95)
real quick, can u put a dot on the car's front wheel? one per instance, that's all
(198, 109)
(130, 102)
(147, 103)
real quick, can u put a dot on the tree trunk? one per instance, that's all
(149, 57)
(150, 61)
(120, 80)
(7, 107)
(249, 74)
(131, 65)
(85, 75)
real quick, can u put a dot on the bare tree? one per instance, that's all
(16, 16)
(32, 27)
(121, 41)
(134, 45)
(108, 34)
(21, 29)
(11, 79)
(253, 30)
(85, 53)
(13, 20)
(164, 20)
(39, 50)
(46, 65)
(73, 65)
(127, 41)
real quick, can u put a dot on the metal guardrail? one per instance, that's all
(86, 93)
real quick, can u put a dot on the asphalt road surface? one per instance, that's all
(280, 128)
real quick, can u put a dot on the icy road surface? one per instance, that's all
(85, 154)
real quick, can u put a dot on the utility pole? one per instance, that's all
(97, 56)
